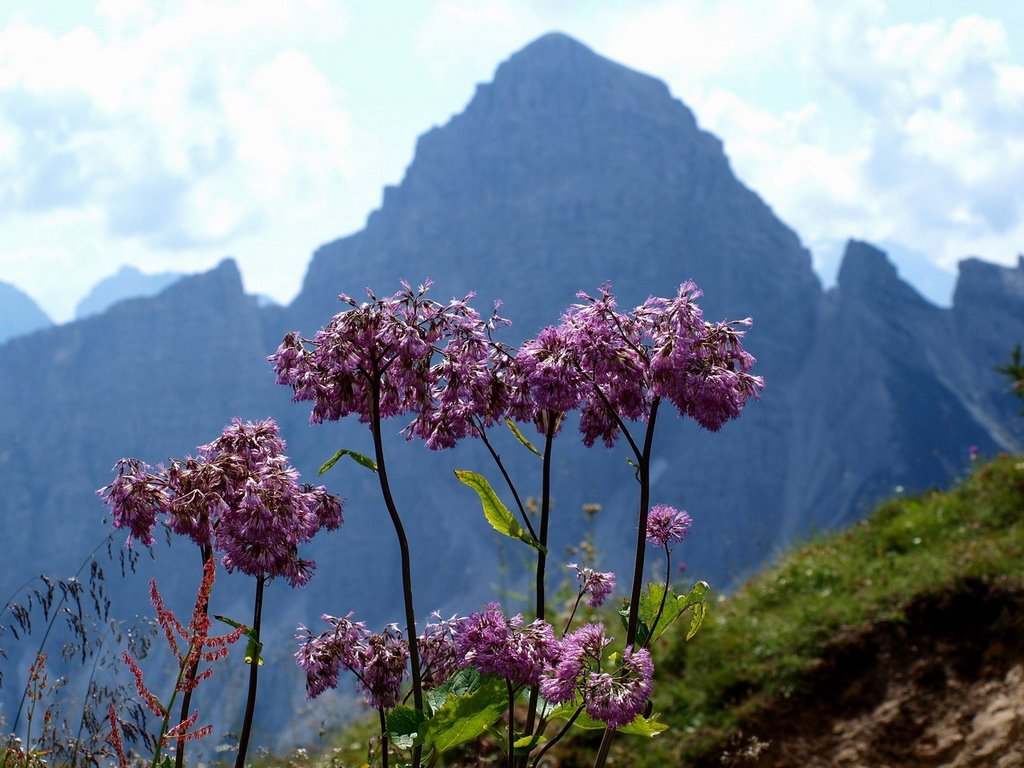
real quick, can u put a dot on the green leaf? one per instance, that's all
(497, 514)
(403, 726)
(520, 436)
(463, 682)
(644, 726)
(675, 606)
(463, 718)
(359, 458)
(254, 652)
(639, 726)
(254, 647)
(698, 600)
(525, 744)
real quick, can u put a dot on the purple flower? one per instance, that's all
(239, 495)
(379, 663)
(611, 365)
(667, 525)
(597, 584)
(494, 645)
(407, 354)
(135, 498)
(322, 657)
(579, 653)
(439, 657)
(377, 660)
(617, 699)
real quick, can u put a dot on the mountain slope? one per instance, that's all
(19, 314)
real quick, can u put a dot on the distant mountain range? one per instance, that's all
(565, 171)
(19, 314)
(127, 283)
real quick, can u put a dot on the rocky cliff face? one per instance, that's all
(566, 171)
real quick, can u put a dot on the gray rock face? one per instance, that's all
(126, 283)
(564, 172)
(19, 314)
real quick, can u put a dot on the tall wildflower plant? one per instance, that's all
(439, 363)
(239, 498)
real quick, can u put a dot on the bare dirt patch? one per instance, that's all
(944, 687)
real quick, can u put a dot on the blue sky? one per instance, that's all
(170, 134)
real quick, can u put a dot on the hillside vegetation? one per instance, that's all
(921, 599)
(872, 646)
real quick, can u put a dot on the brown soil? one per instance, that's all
(945, 688)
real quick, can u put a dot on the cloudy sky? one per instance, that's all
(167, 134)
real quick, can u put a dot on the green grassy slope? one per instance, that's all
(764, 643)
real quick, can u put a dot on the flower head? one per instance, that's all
(613, 364)
(495, 645)
(579, 654)
(378, 660)
(666, 525)
(596, 584)
(617, 699)
(239, 495)
(398, 355)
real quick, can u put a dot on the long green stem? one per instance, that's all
(403, 546)
(254, 666)
(545, 514)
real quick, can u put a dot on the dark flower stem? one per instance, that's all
(403, 545)
(508, 480)
(644, 476)
(254, 666)
(206, 553)
(545, 513)
(557, 737)
(511, 723)
(644, 472)
(383, 738)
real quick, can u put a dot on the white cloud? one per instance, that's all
(167, 128)
(851, 124)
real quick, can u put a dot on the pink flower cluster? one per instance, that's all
(409, 354)
(615, 699)
(667, 525)
(239, 495)
(440, 363)
(491, 643)
(597, 585)
(495, 645)
(377, 660)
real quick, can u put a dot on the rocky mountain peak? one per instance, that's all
(867, 275)
(981, 281)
